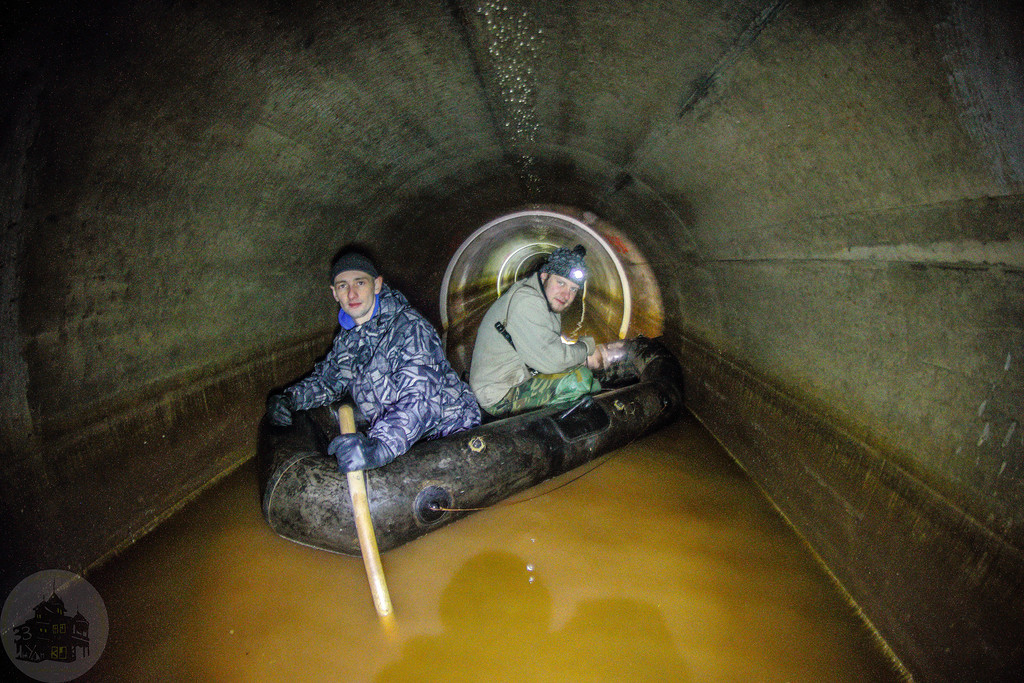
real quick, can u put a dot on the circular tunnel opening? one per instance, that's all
(621, 299)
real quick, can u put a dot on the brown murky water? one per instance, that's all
(663, 563)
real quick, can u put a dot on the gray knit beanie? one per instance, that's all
(568, 263)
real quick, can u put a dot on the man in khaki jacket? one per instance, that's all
(520, 360)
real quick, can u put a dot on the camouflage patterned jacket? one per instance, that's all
(397, 374)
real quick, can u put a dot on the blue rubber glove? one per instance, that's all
(357, 452)
(279, 410)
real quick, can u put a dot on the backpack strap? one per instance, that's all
(500, 327)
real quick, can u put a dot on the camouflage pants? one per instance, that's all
(543, 390)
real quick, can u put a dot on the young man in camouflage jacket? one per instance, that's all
(390, 360)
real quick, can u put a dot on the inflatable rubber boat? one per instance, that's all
(306, 499)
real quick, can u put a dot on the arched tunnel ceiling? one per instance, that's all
(828, 193)
(201, 156)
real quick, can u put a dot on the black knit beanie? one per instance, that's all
(352, 261)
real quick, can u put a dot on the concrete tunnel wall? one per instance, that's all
(828, 193)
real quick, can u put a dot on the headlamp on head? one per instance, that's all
(569, 264)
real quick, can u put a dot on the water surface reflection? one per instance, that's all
(662, 562)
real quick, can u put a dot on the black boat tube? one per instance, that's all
(306, 499)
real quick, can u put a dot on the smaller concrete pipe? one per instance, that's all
(305, 498)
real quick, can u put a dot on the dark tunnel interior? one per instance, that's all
(817, 205)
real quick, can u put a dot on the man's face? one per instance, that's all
(355, 291)
(560, 291)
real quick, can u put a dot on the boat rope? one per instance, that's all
(434, 507)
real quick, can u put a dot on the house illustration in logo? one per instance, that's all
(52, 634)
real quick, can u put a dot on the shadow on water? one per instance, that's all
(496, 613)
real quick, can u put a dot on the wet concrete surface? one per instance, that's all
(658, 562)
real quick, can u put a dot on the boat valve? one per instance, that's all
(431, 504)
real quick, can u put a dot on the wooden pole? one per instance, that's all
(364, 525)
